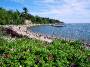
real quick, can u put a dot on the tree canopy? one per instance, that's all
(16, 17)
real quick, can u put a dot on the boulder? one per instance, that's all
(12, 32)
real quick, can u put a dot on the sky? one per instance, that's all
(68, 11)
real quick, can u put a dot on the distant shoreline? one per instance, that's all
(22, 30)
(39, 36)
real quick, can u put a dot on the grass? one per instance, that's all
(33, 53)
(26, 52)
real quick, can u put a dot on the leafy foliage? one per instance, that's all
(33, 53)
(16, 17)
(10, 17)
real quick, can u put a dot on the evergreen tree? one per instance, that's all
(16, 17)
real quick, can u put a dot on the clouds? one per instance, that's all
(69, 7)
(66, 10)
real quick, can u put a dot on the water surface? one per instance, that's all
(76, 31)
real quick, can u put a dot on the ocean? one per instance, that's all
(71, 31)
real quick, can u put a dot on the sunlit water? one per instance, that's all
(79, 31)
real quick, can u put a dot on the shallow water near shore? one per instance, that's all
(74, 31)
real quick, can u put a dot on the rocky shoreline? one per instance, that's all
(21, 30)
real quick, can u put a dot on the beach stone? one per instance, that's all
(27, 22)
(21, 31)
(12, 33)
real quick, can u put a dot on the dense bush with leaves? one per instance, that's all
(2, 31)
(33, 53)
(10, 17)
(16, 17)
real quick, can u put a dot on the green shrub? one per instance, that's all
(34, 53)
